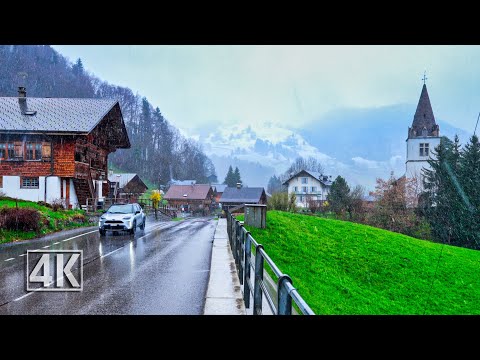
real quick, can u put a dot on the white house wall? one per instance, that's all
(415, 162)
(296, 181)
(11, 187)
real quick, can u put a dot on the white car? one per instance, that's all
(122, 217)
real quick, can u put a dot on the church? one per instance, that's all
(423, 137)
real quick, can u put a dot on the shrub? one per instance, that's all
(58, 204)
(23, 219)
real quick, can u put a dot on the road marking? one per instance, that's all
(56, 243)
(46, 247)
(24, 296)
(74, 237)
(22, 254)
(111, 252)
(10, 259)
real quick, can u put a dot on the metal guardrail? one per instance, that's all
(241, 243)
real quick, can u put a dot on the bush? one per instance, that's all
(58, 204)
(278, 201)
(23, 219)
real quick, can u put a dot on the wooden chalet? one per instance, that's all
(57, 148)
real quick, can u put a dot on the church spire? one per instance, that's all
(423, 121)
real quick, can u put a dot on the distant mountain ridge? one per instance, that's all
(359, 144)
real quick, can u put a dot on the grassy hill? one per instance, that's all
(50, 220)
(346, 268)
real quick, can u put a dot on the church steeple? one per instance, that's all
(423, 121)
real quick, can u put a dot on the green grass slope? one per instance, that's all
(346, 268)
(51, 220)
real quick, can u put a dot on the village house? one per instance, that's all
(240, 195)
(218, 189)
(126, 186)
(309, 186)
(56, 149)
(192, 198)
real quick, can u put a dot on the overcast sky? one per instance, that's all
(288, 85)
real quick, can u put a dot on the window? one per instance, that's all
(305, 189)
(33, 151)
(304, 180)
(301, 198)
(6, 151)
(29, 182)
(1, 182)
(295, 188)
(314, 189)
(424, 149)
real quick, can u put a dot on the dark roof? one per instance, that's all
(219, 188)
(124, 179)
(424, 117)
(324, 179)
(52, 114)
(193, 192)
(243, 195)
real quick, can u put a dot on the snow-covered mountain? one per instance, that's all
(358, 144)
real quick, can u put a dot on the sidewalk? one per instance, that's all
(224, 294)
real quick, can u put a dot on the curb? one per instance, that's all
(224, 294)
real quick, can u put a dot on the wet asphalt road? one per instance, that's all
(161, 270)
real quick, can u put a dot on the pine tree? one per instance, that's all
(338, 198)
(229, 180)
(443, 205)
(236, 176)
(469, 171)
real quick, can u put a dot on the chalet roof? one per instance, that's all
(424, 117)
(324, 179)
(122, 179)
(243, 195)
(219, 188)
(63, 115)
(193, 192)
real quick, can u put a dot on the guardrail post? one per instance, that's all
(248, 258)
(257, 290)
(241, 241)
(284, 299)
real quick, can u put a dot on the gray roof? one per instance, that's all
(242, 195)
(219, 188)
(320, 177)
(52, 114)
(122, 179)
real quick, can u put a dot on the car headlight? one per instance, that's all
(127, 218)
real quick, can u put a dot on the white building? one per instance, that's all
(423, 137)
(309, 186)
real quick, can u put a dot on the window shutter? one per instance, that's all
(46, 150)
(18, 146)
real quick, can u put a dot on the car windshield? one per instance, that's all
(120, 209)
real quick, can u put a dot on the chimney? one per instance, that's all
(239, 185)
(110, 172)
(22, 92)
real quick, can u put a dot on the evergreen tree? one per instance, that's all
(338, 198)
(229, 179)
(443, 206)
(469, 171)
(236, 176)
(275, 185)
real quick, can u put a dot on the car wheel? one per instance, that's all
(142, 227)
(102, 232)
(134, 227)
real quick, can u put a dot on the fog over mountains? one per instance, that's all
(359, 144)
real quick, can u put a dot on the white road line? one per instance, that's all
(46, 247)
(22, 254)
(56, 243)
(111, 252)
(74, 237)
(24, 296)
(10, 259)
